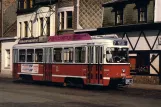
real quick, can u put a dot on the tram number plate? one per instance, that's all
(128, 81)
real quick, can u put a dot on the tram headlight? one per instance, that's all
(123, 70)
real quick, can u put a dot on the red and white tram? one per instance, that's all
(101, 61)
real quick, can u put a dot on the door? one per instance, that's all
(99, 61)
(90, 61)
(15, 63)
(47, 64)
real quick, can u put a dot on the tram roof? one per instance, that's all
(96, 41)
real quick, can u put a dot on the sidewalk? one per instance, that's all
(5, 76)
(145, 86)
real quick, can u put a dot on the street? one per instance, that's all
(21, 94)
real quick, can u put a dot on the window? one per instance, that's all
(26, 29)
(142, 14)
(57, 54)
(68, 54)
(30, 55)
(66, 19)
(48, 26)
(117, 55)
(31, 28)
(119, 17)
(22, 54)
(38, 55)
(142, 63)
(7, 58)
(20, 24)
(69, 19)
(41, 27)
(90, 54)
(31, 3)
(62, 20)
(80, 54)
(15, 55)
(20, 4)
(98, 54)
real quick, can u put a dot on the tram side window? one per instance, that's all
(99, 55)
(80, 54)
(30, 55)
(22, 54)
(57, 54)
(38, 55)
(68, 54)
(15, 55)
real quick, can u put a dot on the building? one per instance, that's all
(8, 37)
(35, 18)
(138, 21)
(77, 15)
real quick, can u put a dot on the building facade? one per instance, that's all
(8, 37)
(76, 15)
(139, 22)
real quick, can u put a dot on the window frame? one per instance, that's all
(26, 28)
(8, 58)
(69, 54)
(19, 56)
(69, 17)
(81, 56)
(143, 10)
(64, 10)
(48, 26)
(33, 56)
(53, 53)
(42, 55)
(119, 12)
(41, 26)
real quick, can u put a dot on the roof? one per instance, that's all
(124, 28)
(110, 3)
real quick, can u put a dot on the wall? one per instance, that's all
(145, 44)
(130, 14)
(90, 13)
(157, 17)
(7, 45)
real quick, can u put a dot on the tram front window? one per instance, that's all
(117, 55)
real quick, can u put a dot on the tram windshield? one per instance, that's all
(117, 55)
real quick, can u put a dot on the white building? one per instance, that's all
(33, 20)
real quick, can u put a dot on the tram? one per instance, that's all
(96, 61)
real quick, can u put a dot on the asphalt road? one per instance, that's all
(22, 94)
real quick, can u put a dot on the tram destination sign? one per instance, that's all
(32, 40)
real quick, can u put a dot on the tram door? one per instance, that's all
(47, 64)
(15, 64)
(90, 57)
(98, 66)
(95, 57)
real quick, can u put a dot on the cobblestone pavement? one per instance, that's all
(22, 94)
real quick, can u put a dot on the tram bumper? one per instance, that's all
(121, 81)
(127, 80)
